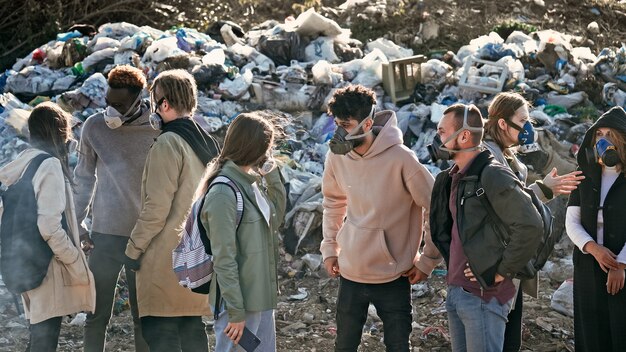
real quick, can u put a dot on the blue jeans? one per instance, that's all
(261, 324)
(392, 301)
(475, 325)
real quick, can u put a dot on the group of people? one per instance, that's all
(143, 163)
(380, 204)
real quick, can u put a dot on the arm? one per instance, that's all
(160, 173)
(49, 185)
(277, 195)
(335, 204)
(84, 178)
(420, 185)
(575, 229)
(219, 218)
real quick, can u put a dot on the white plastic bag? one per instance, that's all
(310, 23)
(322, 48)
(390, 49)
(563, 298)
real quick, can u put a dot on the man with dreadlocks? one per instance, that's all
(171, 315)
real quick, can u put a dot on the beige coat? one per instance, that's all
(170, 178)
(68, 286)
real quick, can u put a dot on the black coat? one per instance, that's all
(599, 318)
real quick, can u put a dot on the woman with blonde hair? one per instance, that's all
(595, 222)
(244, 241)
(508, 130)
(68, 286)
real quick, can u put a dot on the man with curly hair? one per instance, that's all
(112, 152)
(376, 203)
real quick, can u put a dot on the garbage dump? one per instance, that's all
(292, 68)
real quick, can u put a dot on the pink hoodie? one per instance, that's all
(384, 197)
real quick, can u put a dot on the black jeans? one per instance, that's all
(106, 262)
(393, 305)
(513, 332)
(44, 336)
(175, 334)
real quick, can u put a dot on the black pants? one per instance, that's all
(513, 332)
(599, 317)
(175, 334)
(393, 305)
(44, 336)
(106, 262)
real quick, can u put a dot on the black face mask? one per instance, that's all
(343, 141)
(438, 151)
(435, 151)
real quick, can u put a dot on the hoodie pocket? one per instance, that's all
(75, 274)
(364, 253)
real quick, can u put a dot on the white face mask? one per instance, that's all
(114, 119)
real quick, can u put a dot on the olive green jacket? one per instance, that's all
(245, 259)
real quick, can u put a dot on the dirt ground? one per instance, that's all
(308, 324)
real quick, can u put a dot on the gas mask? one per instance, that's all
(343, 141)
(114, 119)
(527, 138)
(437, 149)
(155, 119)
(606, 153)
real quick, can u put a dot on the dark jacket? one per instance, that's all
(486, 253)
(587, 195)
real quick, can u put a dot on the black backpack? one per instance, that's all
(548, 238)
(24, 255)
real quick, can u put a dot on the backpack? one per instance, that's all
(24, 254)
(548, 238)
(192, 259)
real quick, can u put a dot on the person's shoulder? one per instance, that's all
(498, 176)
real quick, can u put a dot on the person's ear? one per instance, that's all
(502, 124)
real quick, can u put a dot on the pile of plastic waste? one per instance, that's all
(294, 66)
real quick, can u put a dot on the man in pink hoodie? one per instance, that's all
(376, 203)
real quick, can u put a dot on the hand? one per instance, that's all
(615, 281)
(268, 165)
(331, 264)
(234, 331)
(563, 184)
(470, 275)
(415, 275)
(604, 256)
(86, 244)
(132, 264)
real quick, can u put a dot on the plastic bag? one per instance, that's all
(321, 48)
(97, 57)
(563, 298)
(162, 49)
(390, 49)
(310, 23)
(371, 72)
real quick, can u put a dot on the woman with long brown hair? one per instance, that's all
(507, 130)
(244, 240)
(595, 222)
(68, 285)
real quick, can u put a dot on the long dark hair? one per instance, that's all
(51, 130)
(248, 139)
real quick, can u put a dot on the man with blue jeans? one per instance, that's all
(480, 265)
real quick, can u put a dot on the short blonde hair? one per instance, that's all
(178, 88)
